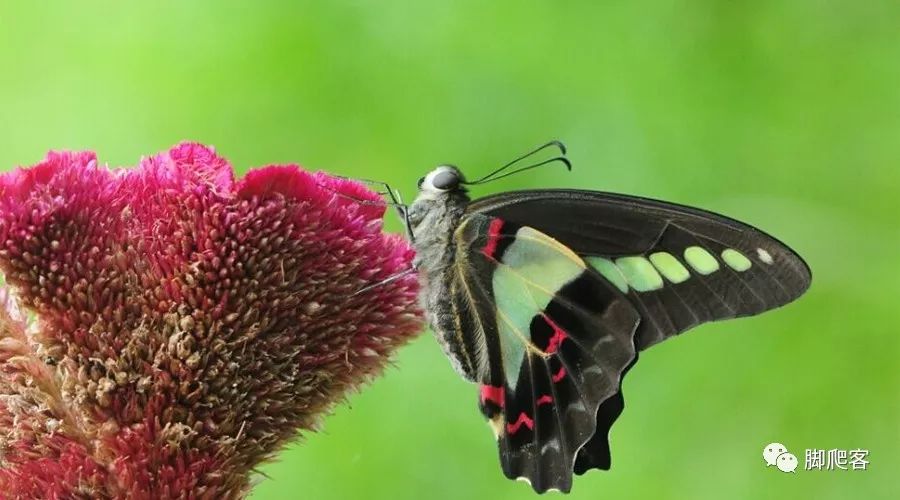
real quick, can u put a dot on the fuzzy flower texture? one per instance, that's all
(165, 329)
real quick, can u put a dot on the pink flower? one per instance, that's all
(165, 329)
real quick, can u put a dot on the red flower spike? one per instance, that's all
(165, 329)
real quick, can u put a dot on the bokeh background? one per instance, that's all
(782, 114)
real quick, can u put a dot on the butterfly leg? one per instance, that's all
(396, 201)
(390, 279)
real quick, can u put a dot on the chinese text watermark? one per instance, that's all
(778, 455)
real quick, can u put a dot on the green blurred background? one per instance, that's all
(785, 114)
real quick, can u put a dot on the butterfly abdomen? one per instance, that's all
(453, 325)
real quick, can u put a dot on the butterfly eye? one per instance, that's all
(446, 180)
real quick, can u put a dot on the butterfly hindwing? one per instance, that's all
(557, 337)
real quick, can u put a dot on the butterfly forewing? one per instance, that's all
(557, 338)
(680, 266)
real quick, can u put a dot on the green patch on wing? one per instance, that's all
(702, 261)
(670, 267)
(640, 273)
(736, 260)
(532, 270)
(610, 271)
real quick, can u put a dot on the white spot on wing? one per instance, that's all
(764, 256)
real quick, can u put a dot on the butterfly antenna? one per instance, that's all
(554, 143)
(561, 159)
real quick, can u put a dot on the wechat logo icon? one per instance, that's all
(777, 454)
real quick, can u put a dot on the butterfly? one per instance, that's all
(544, 298)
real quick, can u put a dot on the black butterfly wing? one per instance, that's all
(740, 270)
(679, 266)
(556, 339)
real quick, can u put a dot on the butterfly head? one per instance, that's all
(443, 180)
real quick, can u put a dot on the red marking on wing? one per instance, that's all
(496, 395)
(544, 400)
(522, 420)
(560, 374)
(558, 335)
(493, 237)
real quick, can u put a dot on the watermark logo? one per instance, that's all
(778, 455)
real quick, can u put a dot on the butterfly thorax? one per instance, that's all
(433, 220)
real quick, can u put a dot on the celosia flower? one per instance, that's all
(165, 329)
